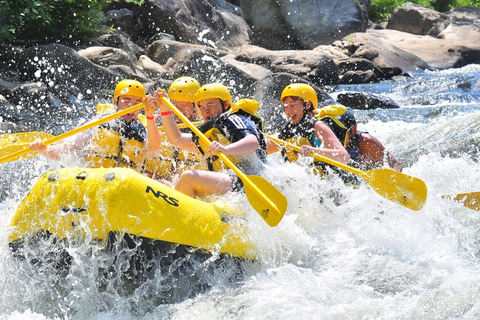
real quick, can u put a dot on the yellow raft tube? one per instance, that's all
(74, 202)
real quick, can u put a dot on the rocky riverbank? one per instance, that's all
(243, 46)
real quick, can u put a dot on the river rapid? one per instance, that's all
(339, 252)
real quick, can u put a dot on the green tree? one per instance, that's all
(43, 21)
(381, 10)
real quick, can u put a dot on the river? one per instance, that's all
(339, 252)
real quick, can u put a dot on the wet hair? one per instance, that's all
(348, 119)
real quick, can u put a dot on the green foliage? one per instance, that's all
(42, 21)
(381, 10)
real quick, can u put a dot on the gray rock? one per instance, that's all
(286, 24)
(416, 19)
(217, 24)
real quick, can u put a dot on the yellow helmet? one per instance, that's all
(129, 87)
(249, 105)
(183, 89)
(214, 90)
(301, 90)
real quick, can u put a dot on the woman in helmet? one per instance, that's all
(304, 129)
(121, 142)
(232, 134)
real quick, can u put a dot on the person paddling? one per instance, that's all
(232, 134)
(304, 129)
(366, 152)
(119, 143)
(170, 161)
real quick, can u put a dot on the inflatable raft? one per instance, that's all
(81, 203)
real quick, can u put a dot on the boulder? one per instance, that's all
(373, 45)
(150, 67)
(311, 65)
(416, 19)
(121, 41)
(58, 66)
(437, 53)
(464, 26)
(125, 20)
(161, 51)
(106, 56)
(216, 24)
(303, 25)
(366, 101)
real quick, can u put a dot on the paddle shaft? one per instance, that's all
(224, 158)
(398, 187)
(321, 158)
(75, 131)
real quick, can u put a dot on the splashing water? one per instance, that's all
(339, 252)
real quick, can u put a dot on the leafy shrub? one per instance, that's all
(43, 21)
(381, 10)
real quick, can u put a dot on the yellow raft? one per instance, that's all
(94, 203)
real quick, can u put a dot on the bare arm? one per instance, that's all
(154, 139)
(373, 153)
(333, 148)
(58, 150)
(174, 135)
(248, 145)
(53, 152)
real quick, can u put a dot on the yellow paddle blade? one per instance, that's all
(470, 200)
(23, 137)
(271, 211)
(398, 187)
(14, 142)
(5, 151)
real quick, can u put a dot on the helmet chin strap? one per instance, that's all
(223, 105)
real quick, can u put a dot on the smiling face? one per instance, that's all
(124, 102)
(210, 108)
(293, 108)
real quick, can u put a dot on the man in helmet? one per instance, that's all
(169, 161)
(299, 103)
(121, 142)
(366, 152)
(231, 133)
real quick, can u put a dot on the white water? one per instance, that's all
(339, 252)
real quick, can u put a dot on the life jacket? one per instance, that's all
(302, 133)
(258, 125)
(340, 119)
(170, 160)
(117, 144)
(227, 128)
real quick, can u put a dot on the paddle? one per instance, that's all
(267, 200)
(470, 200)
(398, 187)
(13, 142)
(87, 126)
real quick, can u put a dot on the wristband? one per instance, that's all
(166, 113)
(149, 118)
